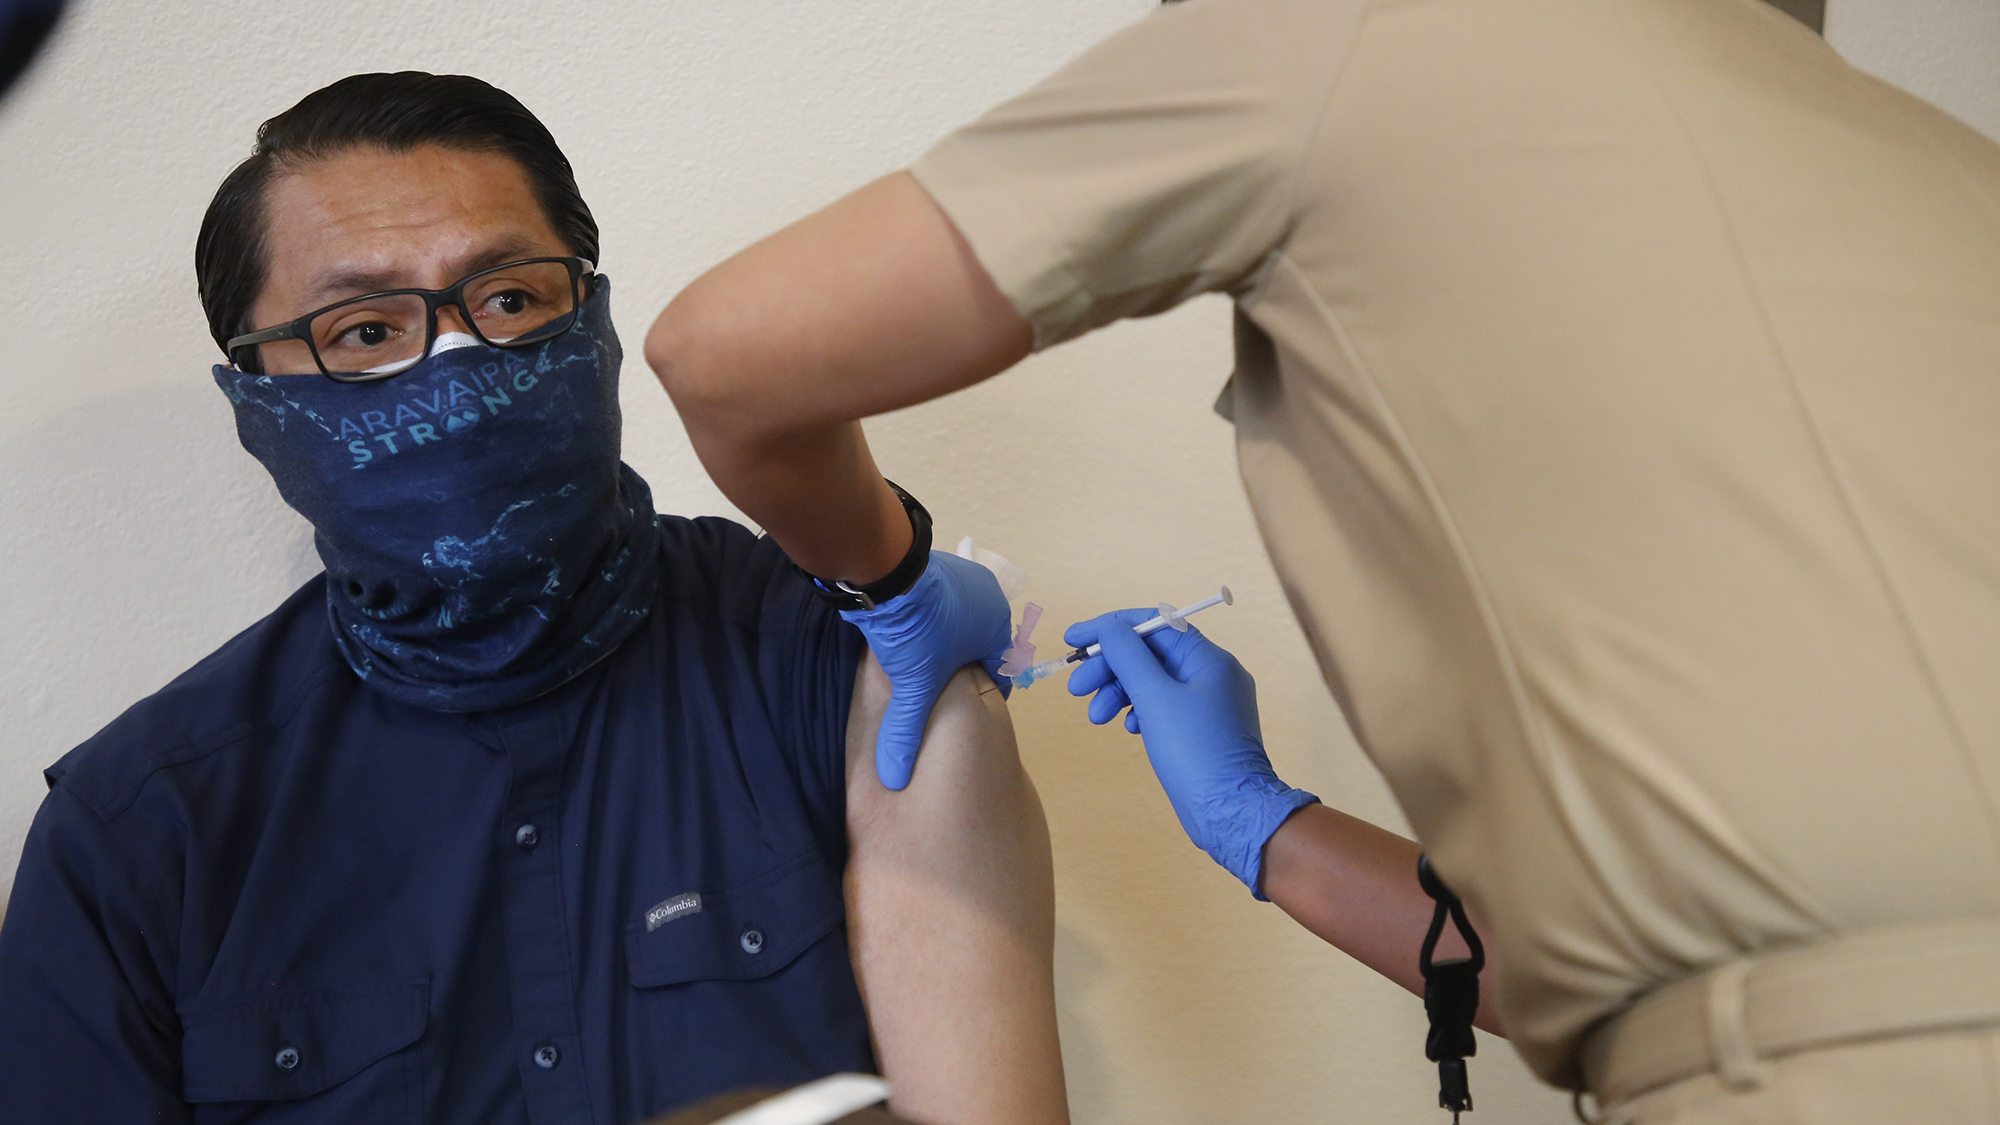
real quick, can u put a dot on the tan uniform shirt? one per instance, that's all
(1619, 395)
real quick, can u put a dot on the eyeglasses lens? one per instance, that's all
(372, 335)
(522, 303)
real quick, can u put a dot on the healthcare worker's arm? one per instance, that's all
(1349, 882)
(951, 915)
(872, 304)
(1158, 165)
(1354, 885)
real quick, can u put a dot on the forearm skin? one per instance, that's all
(1355, 886)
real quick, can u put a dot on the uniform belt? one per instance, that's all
(1866, 984)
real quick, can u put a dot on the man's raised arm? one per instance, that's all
(951, 915)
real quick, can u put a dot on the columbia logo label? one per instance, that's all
(678, 906)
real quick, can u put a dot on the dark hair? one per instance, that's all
(397, 112)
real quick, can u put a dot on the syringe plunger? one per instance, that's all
(1168, 618)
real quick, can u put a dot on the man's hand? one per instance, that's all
(1196, 706)
(954, 616)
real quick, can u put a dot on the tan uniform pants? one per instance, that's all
(1892, 1025)
(1937, 1079)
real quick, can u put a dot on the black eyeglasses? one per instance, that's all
(381, 335)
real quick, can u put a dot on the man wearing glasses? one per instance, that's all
(537, 806)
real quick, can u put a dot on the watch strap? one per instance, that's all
(849, 597)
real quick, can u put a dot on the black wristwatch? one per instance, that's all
(898, 581)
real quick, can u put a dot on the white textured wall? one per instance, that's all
(135, 536)
(1947, 51)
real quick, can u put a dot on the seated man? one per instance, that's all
(536, 806)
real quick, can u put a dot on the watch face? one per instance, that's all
(841, 598)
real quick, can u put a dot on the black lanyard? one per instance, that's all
(1451, 994)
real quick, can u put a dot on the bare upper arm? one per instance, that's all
(951, 914)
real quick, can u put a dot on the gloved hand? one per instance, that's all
(1196, 707)
(955, 615)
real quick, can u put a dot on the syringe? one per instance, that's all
(1168, 618)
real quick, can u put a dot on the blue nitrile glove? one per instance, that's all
(1196, 707)
(955, 615)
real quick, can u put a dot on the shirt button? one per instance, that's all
(546, 1056)
(527, 837)
(752, 941)
(288, 1058)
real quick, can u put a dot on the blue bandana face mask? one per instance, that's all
(483, 543)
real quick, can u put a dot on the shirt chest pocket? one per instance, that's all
(332, 1055)
(741, 932)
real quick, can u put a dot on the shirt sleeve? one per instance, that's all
(810, 663)
(1159, 165)
(88, 1030)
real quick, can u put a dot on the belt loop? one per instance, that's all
(1728, 1032)
(1599, 1113)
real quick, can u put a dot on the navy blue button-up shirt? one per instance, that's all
(268, 893)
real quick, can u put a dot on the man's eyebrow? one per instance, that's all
(348, 283)
(512, 248)
(357, 282)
